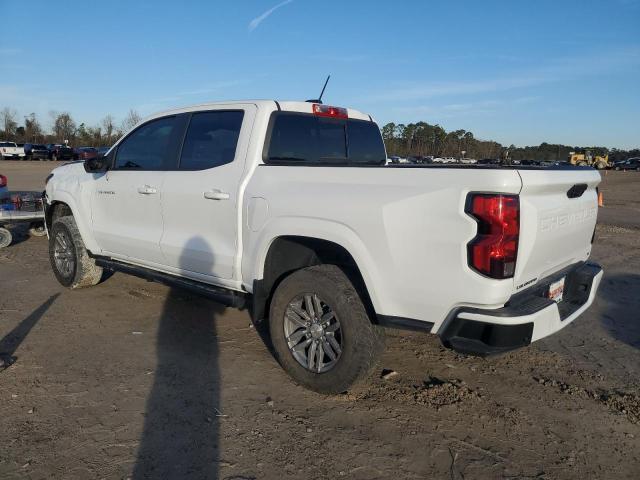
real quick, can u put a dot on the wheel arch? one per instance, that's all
(285, 254)
(64, 204)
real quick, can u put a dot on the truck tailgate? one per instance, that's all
(558, 210)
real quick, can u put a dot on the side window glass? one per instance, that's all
(211, 140)
(147, 147)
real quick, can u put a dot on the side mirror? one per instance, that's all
(97, 165)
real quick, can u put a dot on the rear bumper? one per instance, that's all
(528, 316)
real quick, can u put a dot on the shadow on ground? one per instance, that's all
(12, 340)
(621, 317)
(181, 427)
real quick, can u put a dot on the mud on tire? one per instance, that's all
(70, 262)
(361, 342)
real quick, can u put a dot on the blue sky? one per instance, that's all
(518, 72)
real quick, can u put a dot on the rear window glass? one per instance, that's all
(304, 138)
(7, 144)
(211, 139)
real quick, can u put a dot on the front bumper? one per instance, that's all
(528, 316)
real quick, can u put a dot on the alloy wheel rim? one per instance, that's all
(63, 254)
(313, 333)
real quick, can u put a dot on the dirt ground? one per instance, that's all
(132, 379)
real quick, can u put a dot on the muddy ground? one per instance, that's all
(132, 379)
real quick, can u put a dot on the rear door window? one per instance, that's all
(211, 140)
(310, 139)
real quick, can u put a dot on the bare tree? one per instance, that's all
(131, 120)
(33, 129)
(108, 127)
(8, 121)
(64, 127)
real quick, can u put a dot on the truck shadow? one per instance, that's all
(12, 340)
(180, 438)
(621, 317)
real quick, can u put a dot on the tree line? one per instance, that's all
(424, 139)
(413, 139)
(63, 127)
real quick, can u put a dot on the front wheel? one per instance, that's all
(70, 261)
(5, 237)
(320, 330)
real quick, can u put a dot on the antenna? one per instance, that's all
(319, 99)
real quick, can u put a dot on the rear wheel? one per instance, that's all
(320, 330)
(70, 261)
(5, 237)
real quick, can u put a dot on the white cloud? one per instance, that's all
(556, 70)
(464, 110)
(253, 24)
(211, 88)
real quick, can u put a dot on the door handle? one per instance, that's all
(147, 190)
(216, 195)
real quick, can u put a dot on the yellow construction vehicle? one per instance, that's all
(583, 159)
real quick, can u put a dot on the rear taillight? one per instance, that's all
(328, 111)
(3, 181)
(494, 249)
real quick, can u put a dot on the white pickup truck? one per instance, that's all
(11, 151)
(288, 209)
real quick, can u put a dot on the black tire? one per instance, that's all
(361, 341)
(82, 270)
(36, 229)
(5, 237)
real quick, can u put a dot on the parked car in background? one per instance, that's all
(85, 153)
(35, 151)
(102, 151)
(468, 161)
(11, 151)
(396, 159)
(59, 152)
(488, 161)
(419, 159)
(618, 163)
(630, 164)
